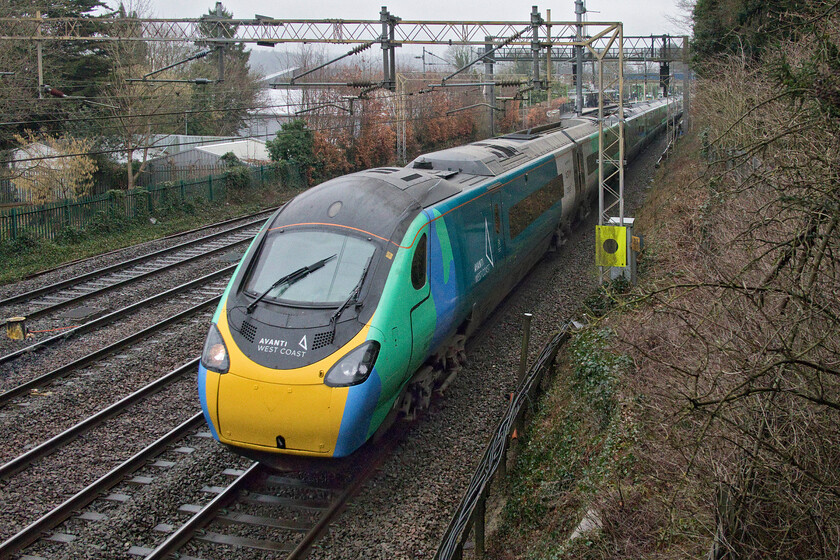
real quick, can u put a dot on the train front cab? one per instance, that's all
(296, 411)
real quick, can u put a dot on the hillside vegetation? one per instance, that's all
(722, 434)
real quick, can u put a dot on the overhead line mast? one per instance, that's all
(574, 42)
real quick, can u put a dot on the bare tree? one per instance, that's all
(740, 357)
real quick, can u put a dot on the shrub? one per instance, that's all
(238, 178)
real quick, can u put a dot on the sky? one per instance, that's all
(640, 18)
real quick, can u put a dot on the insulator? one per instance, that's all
(360, 48)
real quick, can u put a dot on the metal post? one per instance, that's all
(621, 156)
(601, 142)
(548, 59)
(392, 24)
(384, 16)
(490, 89)
(402, 117)
(579, 11)
(601, 155)
(478, 525)
(526, 340)
(219, 33)
(523, 363)
(40, 58)
(536, 20)
(686, 85)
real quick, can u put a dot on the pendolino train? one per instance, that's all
(352, 305)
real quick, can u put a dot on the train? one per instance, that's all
(352, 305)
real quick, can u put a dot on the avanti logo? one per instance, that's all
(488, 245)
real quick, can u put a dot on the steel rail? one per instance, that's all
(383, 450)
(122, 283)
(64, 511)
(164, 238)
(121, 266)
(209, 512)
(22, 461)
(80, 363)
(212, 510)
(105, 319)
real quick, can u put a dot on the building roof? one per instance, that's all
(248, 150)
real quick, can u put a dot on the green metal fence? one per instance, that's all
(48, 220)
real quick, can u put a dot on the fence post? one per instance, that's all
(523, 364)
(183, 190)
(478, 525)
(262, 181)
(14, 223)
(210, 188)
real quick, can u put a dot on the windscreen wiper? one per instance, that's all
(291, 279)
(354, 295)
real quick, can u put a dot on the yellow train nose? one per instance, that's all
(300, 419)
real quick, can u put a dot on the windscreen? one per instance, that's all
(284, 253)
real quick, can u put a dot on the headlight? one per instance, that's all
(215, 355)
(355, 367)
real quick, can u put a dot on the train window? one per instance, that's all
(497, 218)
(286, 252)
(524, 212)
(418, 264)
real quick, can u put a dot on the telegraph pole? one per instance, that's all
(490, 89)
(219, 33)
(38, 47)
(536, 21)
(579, 11)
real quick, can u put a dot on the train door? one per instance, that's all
(423, 315)
(580, 176)
(566, 175)
(494, 232)
(581, 194)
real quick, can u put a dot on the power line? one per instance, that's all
(199, 142)
(186, 111)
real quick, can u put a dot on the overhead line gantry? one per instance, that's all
(598, 42)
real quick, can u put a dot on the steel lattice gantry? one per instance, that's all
(653, 48)
(601, 41)
(261, 30)
(335, 31)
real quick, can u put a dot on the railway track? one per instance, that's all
(22, 461)
(271, 515)
(431, 467)
(187, 233)
(214, 279)
(93, 357)
(73, 291)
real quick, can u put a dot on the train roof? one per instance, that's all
(399, 194)
(402, 192)
(495, 156)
